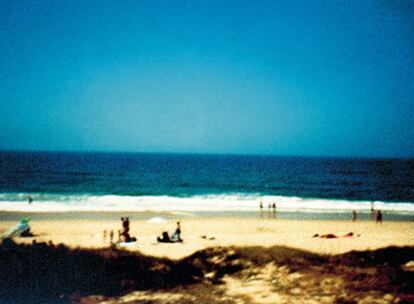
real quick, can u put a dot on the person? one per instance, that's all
(268, 210)
(274, 210)
(111, 236)
(378, 217)
(327, 236)
(26, 232)
(125, 224)
(165, 238)
(124, 235)
(261, 208)
(372, 207)
(125, 230)
(30, 199)
(334, 236)
(176, 237)
(104, 236)
(354, 215)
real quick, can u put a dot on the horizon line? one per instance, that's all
(205, 154)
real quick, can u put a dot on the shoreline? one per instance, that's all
(146, 215)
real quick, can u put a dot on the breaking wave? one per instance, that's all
(18, 202)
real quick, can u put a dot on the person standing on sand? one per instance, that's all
(178, 229)
(125, 224)
(111, 237)
(176, 237)
(261, 208)
(354, 215)
(378, 217)
(125, 230)
(274, 210)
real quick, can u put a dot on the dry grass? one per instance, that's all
(42, 273)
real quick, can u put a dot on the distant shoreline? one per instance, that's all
(171, 215)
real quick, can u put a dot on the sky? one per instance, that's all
(307, 78)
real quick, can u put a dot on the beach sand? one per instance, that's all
(203, 232)
(243, 263)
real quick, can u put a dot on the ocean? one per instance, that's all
(183, 182)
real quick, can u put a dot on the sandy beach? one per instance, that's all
(223, 259)
(203, 232)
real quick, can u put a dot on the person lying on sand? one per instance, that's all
(176, 237)
(333, 236)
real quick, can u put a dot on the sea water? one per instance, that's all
(193, 183)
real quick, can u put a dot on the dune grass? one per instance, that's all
(41, 273)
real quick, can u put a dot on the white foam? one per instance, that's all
(222, 202)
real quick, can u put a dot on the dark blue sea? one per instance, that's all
(133, 181)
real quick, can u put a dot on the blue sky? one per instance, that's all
(327, 78)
